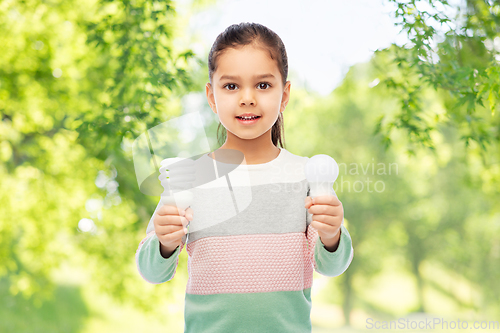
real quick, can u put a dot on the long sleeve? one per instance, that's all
(330, 263)
(325, 262)
(150, 263)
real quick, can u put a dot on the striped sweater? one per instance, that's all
(251, 251)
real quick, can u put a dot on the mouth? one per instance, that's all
(248, 120)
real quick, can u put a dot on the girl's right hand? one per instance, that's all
(170, 227)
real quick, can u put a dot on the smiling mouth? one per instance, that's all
(248, 118)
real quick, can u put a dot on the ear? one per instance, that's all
(286, 96)
(210, 97)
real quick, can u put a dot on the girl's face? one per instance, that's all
(247, 80)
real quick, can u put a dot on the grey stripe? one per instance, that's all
(273, 209)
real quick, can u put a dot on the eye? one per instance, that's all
(229, 84)
(260, 85)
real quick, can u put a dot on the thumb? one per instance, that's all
(189, 213)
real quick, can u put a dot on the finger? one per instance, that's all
(308, 202)
(327, 219)
(326, 210)
(325, 228)
(170, 210)
(189, 213)
(171, 220)
(168, 229)
(184, 221)
(331, 200)
(175, 235)
(322, 209)
(320, 226)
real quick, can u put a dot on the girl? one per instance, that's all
(253, 270)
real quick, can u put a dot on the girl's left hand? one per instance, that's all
(327, 217)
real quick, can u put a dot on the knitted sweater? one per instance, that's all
(251, 251)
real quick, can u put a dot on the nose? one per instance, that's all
(247, 97)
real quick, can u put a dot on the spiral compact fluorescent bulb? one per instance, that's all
(177, 176)
(321, 172)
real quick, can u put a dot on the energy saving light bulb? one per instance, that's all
(177, 176)
(321, 172)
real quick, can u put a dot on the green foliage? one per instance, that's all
(55, 315)
(138, 66)
(457, 58)
(79, 81)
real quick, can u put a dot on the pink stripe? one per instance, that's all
(312, 238)
(249, 264)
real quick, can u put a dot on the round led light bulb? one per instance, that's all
(321, 172)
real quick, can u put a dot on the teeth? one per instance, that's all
(248, 118)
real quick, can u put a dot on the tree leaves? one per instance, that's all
(76, 79)
(459, 64)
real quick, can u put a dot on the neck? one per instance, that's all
(256, 151)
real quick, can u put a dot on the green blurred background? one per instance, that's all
(415, 130)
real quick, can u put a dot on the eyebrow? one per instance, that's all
(231, 77)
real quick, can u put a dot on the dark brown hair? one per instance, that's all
(238, 35)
